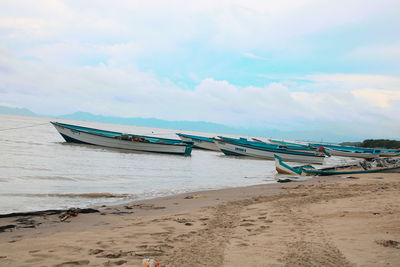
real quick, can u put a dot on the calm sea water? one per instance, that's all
(38, 170)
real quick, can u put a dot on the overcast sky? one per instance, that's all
(252, 63)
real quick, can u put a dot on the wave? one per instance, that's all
(81, 195)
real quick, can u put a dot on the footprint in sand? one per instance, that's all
(72, 263)
(95, 251)
(115, 263)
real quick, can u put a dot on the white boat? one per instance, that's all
(351, 154)
(236, 149)
(85, 135)
(199, 141)
(378, 165)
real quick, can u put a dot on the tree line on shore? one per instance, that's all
(375, 143)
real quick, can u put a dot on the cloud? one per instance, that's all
(384, 99)
(167, 25)
(125, 91)
(119, 59)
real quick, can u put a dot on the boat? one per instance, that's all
(293, 143)
(237, 147)
(390, 153)
(85, 135)
(199, 141)
(259, 143)
(357, 152)
(377, 166)
(344, 151)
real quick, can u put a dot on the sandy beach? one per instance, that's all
(334, 221)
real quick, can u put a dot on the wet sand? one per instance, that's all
(333, 221)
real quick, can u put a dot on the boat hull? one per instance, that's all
(283, 168)
(232, 149)
(377, 170)
(201, 144)
(76, 136)
(351, 154)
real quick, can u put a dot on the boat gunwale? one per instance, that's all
(267, 145)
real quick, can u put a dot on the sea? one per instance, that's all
(40, 171)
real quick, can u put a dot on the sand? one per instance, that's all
(333, 221)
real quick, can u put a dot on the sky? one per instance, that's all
(302, 65)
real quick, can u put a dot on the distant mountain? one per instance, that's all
(17, 111)
(196, 126)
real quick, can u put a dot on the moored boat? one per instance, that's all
(199, 141)
(344, 151)
(237, 148)
(377, 166)
(347, 151)
(85, 135)
(288, 147)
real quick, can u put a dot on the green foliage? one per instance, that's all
(380, 143)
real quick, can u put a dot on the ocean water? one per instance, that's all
(39, 170)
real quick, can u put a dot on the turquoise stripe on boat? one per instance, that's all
(349, 148)
(244, 141)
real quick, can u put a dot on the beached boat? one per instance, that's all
(199, 141)
(347, 151)
(390, 153)
(85, 135)
(237, 148)
(376, 166)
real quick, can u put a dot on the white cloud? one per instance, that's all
(82, 55)
(385, 99)
(165, 25)
(128, 92)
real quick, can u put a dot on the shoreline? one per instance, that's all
(123, 202)
(324, 221)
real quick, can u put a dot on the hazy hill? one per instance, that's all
(17, 111)
(197, 126)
